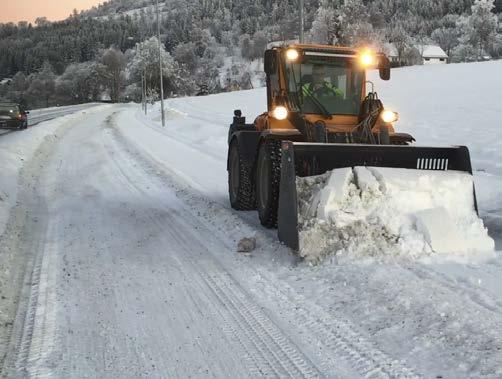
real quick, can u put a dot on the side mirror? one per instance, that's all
(384, 68)
(270, 62)
(385, 73)
(238, 119)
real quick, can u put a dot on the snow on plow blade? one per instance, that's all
(326, 157)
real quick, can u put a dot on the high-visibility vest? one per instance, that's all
(308, 89)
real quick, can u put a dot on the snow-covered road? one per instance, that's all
(125, 282)
(118, 260)
(45, 114)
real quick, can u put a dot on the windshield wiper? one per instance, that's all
(319, 106)
(317, 103)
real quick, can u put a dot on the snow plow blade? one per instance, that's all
(326, 157)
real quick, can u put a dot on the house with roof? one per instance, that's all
(418, 54)
(432, 54)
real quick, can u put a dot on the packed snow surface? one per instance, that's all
(389, 212)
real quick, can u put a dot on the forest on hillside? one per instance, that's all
(212, 43)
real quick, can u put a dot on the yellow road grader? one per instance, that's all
(319, 117)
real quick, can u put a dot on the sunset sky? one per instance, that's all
(29, 10)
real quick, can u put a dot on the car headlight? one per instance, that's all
(389, 116)
(280, 112)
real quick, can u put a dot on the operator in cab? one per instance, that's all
(319, 87)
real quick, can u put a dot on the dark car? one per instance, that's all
(12, 116)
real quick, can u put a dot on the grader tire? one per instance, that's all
(268, 177)
(240, 185)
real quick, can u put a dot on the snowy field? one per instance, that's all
(135, 272)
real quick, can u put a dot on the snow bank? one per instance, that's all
(369, 212)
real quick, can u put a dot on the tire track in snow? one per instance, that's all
(38, 339)
(460, 287)
(280, 355)
(337, 335)
(35, 307)
(273, 354)
(285, 358)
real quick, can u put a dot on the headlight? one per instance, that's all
(292, 54)
(280, 113)
(367, 59)
(389, 116)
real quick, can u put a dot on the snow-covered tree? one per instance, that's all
(18, 87)
(260, 41)
(464, 52)
(42, 85)
(185, 55)
(145, 61)
(80, 82)
(482, 25)
(237, 77)
(446, 38)
(246, 46)
(113, 65)
(402, 42)
(363, 34)
(355, 26)
(325, 25)
(42, 21)
(496, 47)
(253, 47)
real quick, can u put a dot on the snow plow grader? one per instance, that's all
(319, 118)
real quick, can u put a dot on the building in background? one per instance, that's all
(415, 55)
(432, 54)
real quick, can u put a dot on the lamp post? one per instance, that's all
(160, 66)
(143, 85)
(301, 22)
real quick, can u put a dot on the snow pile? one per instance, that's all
(369, 212)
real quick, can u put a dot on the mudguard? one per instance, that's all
(248, 141)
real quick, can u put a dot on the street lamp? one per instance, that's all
(301, 22)
(160, 66)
